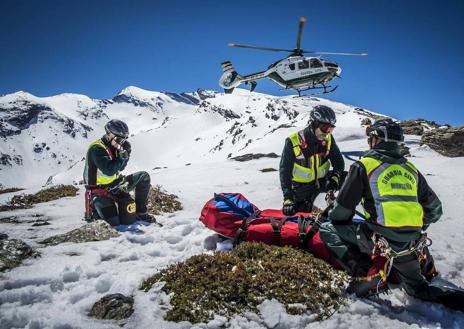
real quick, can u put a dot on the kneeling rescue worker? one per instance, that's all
(398, 205)
(105, 159)
(305, 162)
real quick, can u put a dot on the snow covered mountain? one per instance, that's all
(44, 137)
(186, 142)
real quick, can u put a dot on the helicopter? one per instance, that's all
(293, 72)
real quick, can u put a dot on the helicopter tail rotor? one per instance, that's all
(230, 78)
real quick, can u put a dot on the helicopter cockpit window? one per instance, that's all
(315, 63)
(292, 66)
(304, 64)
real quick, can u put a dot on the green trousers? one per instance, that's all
(339, 239)
(106, 208)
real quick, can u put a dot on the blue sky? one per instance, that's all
(415, 66)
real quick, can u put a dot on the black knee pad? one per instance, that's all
(107, 211)
(145, 177)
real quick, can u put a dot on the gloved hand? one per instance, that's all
(123, 154)
(333, 183)
(124, 150)
(289, 207)
(127, 146)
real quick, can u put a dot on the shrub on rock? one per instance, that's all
(226, 284)
(160, 201)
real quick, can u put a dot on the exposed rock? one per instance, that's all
(95, 231)
(268, 169)
(13, 252)
(41, 222)
(285, 125)
(448, 141)
(366, 113)
(206, 106)
(276, 108)
(366, 122)
(251, 156)
(183, 98)
(418, 126)
(22, 113)
(411, 128)
(10, 219)
(113, 307)
(204, 94)
(152, 104)
(8, 160)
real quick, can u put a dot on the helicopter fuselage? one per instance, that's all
(293, 72)
(299, 72)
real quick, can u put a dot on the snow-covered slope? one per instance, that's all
(185, 142)
(43, 137)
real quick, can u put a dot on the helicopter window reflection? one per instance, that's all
(315, 63)
(292, 66)
(304, 64)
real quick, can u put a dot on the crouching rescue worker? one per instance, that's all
(107, 190)
(305, 162)
(398, 206)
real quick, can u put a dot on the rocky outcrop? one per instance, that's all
(366, 122)
(21, 114)
(227, 114)
(183, 98)
(8, 160)
(96, 231)
(152, 103)
(276, 108)
(13, 252)
(448, 141)
(113, 307)
(418, 126)
(251, 156)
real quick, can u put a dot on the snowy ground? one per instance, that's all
(58, 289)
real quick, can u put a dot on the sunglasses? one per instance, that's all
(119, 140)
(326, 127)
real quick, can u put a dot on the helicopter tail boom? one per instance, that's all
(231, 79)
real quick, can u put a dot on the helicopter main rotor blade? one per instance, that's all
(300, 32)
(260, 48)
(333, 53)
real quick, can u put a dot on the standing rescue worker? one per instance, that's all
(305, 162)
(398, 206)
(105, 159)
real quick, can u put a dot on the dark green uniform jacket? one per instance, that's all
(98, 157)
(297, 191)
(356, 188)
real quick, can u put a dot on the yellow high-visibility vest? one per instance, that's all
(102, 179)
(306, 170)
(394, 189)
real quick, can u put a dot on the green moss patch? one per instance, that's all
(233, 283)
(25, 201)
(159, 201)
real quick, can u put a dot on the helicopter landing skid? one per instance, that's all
(326, 91)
